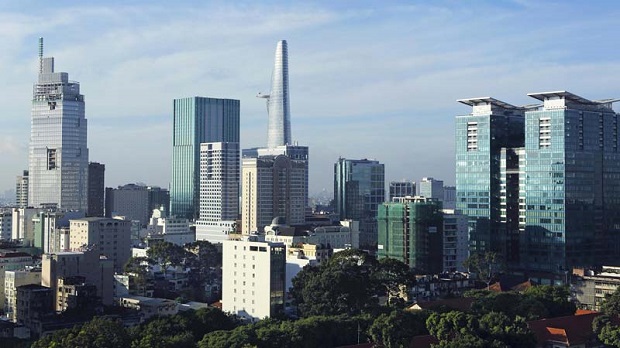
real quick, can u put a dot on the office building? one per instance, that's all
(553, 181)
(96, 189)
(13, 280)
(51, 230)
(401, 189)
(21, 190)
(411, 231)
(432, 188)
(254, 276)
(58, 155)
(273, 186)
(359, 189)
(130, 201)
(278, 102)
(571, 184)
(480, 137)
(592, 287)
(219, 190)
(449, 197)
(110, 237)
(158, 198)
(197, 120)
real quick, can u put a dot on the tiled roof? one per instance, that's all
(571, 330)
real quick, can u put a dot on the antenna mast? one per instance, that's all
(40, 55)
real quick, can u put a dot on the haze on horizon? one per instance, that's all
(367, 80)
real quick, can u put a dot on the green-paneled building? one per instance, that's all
(411, 231)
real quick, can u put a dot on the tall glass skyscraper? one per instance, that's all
(359, 188)
(58, 155)
(572, 183)
(197, 120)
(278, 102)
(547, 195)
(480, 137)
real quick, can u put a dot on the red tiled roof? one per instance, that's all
(571, 330)
(584, 311)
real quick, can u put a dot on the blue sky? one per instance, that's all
(369, 79)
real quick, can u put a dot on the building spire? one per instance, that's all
(278, 102)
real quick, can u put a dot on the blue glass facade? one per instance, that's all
(197, 120)
(542, 189)
(359, 188)
(480, 137)
(572, 181)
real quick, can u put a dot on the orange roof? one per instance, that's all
(571, 330)
(584, 311)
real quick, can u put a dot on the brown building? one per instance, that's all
(34, 304)
(110, 237)
(74, 293)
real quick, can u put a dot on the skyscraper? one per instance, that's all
(96, 189)
(197, 120)
(278, 102)
(359, 188)
(21, 190)
(431, 188)
(219, 190)
(480, 137)
(273, 186)
(58, 155)
(541, 185)
(401, 189)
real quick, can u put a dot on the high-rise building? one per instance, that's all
(219, 190)
(449, 197)
(359, 189)
(431, 188)
(21, 190)
(401, 189)
(411, 231)
(110, 237)
(253, 285)
(273, 186)
(455, 241)
(572, 183)
(58, 155)
(480, 137)
(96, 189)
(278, 102)
(197, 120)
(130, 201)
(541, 185)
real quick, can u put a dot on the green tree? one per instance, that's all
(396, 329)
(393, 276)
(97, 333)
(167, 254)
(138, 270)
(342, 285)
(606, 326)
(554, 298)
(484, 265)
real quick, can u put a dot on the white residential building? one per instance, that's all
(170, 229)
(23, 227)
(455, 241)
(12, 261)
(219, 190)
(254, 277)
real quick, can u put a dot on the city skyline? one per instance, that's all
(404, 64)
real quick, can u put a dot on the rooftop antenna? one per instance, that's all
(40, 55)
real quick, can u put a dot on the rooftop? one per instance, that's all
(487, 100)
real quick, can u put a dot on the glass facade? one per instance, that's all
(550, 201)
(197, 120)
(58, 154)
(480, 137)
(572, 184)
(278, 102)
(359, 188)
